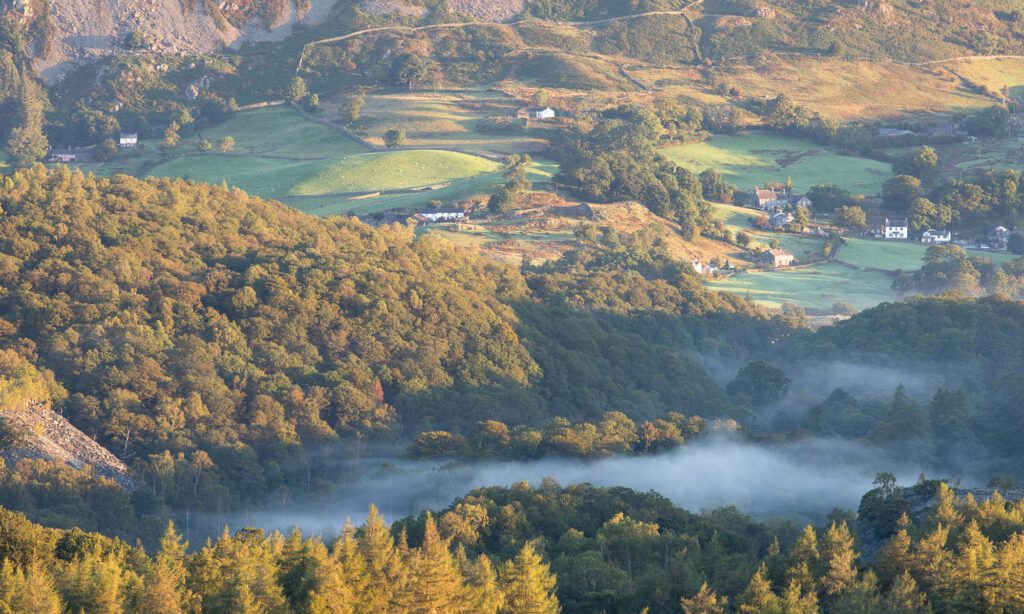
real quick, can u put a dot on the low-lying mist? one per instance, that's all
(803, 480)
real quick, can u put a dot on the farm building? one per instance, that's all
(440, 215)
(770, 200)
(64, 158)
(893, 132)
(536, 113)
(932, 236)
(776, 258)
(895, 229)
(128, 140)
(779, 220)
(997, 237)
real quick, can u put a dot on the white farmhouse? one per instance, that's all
(128, 140)
(441, 215)
(895, 229)
(933, 237)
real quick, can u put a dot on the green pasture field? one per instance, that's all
(280, 154)
(899, 255)
(446, 119)
(816, 287)
(753, 158)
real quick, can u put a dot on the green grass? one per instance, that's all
(443, 119)
(392, 170)
(817, 287)
(458, 190)
(280, 154)
(750, 159)
(282, 132)
(741, 219)
(899, 255)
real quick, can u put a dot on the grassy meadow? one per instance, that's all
(445, 119)
(280, 154)
(817, 287)
(752, 158)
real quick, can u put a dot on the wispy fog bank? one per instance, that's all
(806, 479)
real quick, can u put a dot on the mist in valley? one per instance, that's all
(799, 480)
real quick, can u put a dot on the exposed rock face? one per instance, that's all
(44, 434)
(877, 516)
(489, 10)
(85, 29)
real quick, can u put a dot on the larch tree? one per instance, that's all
(164, 582)
(706, 601)
(434, 585)
(528, 584)
(481, 594)
(383, 561)
(30, 590)
(904, 597)
(838, 557)
(758, 597)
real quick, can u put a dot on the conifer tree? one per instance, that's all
(481, 594)
(930, 559)
(758, 597)
(30, 591)
(353, 564)
(838, 556)
(973, 572)
(164, 582)
(325, 587)
(706, 601)
(434, 584)
(860, 597)
(904, 598)
(383, 562)
(528, 584)
(796, 601)
(94, 583)
(894, 556)
(945, 511)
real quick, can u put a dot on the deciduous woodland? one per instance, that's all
(511, 307)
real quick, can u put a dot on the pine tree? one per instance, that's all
(972, 574)
(894, 556)
(931, 560)
(353, 564)
(945, 511)
(482, 595)
(29, 591)
(838, 556)
(94, 583)
(328, 592)
(803, 559)
(164, 582)
(861, 597)
(434, 585)
(904, 598)
(28, 143)
(383, 562)
(758, 597)
(796, 601)
(706, 601)
(528, 584)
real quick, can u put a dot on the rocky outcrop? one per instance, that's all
(36, 431)
(86, 29)
(878, 512)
